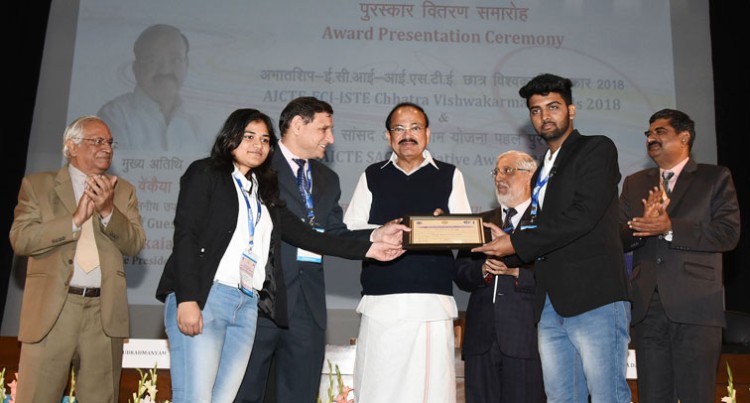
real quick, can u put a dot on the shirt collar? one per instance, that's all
(289, 157)
(427, 160)
(675, 169)
(245, 183)
(76, 174)
(520, 207)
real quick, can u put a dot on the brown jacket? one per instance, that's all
(43, 230)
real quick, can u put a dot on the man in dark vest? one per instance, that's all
(405, 348)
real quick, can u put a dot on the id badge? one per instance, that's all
(247, 271)
(307, 256)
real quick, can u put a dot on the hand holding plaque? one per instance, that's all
(450, 231)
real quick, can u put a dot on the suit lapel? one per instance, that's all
(64, 189)
(317, 181)
(567, 150)
(288, 184)
(684, 181)
(525, 220)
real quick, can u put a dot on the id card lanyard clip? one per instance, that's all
(249, 259)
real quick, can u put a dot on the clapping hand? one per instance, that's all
(655, 220)
(84, 210)
(101, 190)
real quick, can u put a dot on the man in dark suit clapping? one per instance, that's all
(500, 353)
(677, 218)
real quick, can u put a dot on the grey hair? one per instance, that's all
(527, 161)
(74, 132)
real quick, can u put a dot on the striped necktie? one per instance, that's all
(301, 177)
(507, 222)
(666, 176)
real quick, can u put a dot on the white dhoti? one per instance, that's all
(405, 349)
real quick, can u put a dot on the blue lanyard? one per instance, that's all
(250, 223)
(540, 184)
(305, 187)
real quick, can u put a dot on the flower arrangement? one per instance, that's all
(12, 386)
(732, 398)
(338, 392)
(11, 397)
(146, 388)
(71, 398)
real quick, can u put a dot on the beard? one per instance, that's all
(509, 199)
(557, 132)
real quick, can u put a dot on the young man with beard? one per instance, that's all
(582, 292)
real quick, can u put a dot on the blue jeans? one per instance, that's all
(585, 354)
(209, 367)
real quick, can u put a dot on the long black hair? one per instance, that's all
(230, 137)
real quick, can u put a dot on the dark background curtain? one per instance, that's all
(30, 22)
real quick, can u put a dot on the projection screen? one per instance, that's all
(462, 61)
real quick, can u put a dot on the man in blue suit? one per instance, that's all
(500, 353)
(297, 352)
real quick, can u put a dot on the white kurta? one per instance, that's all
(405, 348)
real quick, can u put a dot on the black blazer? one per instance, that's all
(705, 217)
(579, 256)
(510, 320)
(206, 217)
(307, 279)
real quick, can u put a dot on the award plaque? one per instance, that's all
(450, 231)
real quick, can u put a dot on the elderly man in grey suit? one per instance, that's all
(677, 218)
(75, 225)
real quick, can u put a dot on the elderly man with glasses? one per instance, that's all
(500, 349)
(75, 225)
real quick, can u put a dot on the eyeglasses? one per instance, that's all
(507, 171)
(99, 142)
(401, 129)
